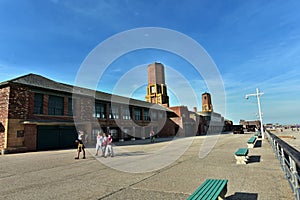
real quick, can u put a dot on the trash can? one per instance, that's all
(3, 152)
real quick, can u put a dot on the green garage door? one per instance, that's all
(67, 136)
(55, 137)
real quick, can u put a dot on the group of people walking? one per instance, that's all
(104, 143)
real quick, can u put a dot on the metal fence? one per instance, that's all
(289, 159)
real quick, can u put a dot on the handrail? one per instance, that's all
(294, 153)
(289, 158)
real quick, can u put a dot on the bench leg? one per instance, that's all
(250, 145)
(241, 159)
(223, 193)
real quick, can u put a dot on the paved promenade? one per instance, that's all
(57, 175)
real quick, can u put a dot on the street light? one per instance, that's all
(258, 94)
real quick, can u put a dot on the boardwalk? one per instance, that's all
(56, 175)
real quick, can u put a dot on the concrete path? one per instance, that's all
(57, 175)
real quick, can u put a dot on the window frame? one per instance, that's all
(55, 105)
(137, 114)
(100, 110)
(38, 109)
(126, 113)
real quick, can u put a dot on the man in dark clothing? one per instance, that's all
(81, 146)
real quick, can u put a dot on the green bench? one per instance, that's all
(257, 134)
(251, 142)
(241, 156)
(211, 189)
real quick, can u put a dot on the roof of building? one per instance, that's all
(38, 81)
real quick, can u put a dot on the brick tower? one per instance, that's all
(206, 103)
(157, 89)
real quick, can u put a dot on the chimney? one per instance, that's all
(195, 109)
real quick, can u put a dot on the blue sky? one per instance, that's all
(253, 44)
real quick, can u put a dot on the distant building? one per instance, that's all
(250, 123)
(189, 122)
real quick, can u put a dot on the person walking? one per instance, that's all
(80, 145)
(109, 147)
(99, 143)
(104, 144)
(152, 136)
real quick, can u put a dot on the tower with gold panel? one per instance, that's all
(206, 103)
(157, 89)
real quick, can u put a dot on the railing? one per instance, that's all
(289, 159)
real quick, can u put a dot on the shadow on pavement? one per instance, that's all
(143, 141)
(243, 196)
(257, 144)
(135, 153)
(254, 159)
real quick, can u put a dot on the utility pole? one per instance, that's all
(258, 94)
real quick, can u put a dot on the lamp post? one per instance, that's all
(258, 94)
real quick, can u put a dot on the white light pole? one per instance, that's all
(258, 94)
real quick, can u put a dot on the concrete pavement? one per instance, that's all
(57, 175)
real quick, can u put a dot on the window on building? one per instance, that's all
(159, 89)
(146, 115)
(137, 114)
(95, 132)
(126, 112)
(207, 118)
(154, 115)
(70, 106)
(114, 112)
(152, 89)
(161, 115)
(55, 105)
(100, 110)
(38, 103)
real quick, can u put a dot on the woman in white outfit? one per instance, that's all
(99, 143)
(104, 143)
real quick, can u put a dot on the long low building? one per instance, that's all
(37, 113)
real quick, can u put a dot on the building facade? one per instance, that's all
(38, 114)
(250, 124)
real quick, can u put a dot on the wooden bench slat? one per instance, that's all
(220, 186)
(202, 190)
(251, 140)
(242, 152)
(210, 189)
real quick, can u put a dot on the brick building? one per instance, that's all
(38, 113)
(250, 124)
(188, 122)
